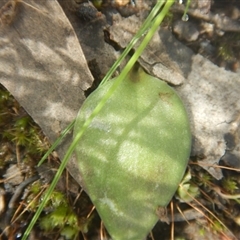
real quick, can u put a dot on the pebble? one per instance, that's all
(186, 30)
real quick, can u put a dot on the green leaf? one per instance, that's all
(69, 232)
(134, 154)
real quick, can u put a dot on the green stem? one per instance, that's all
(185, 17)
(137, 36)
(146, 40)
(57, 142)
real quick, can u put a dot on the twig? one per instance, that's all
(224, 195)
(17, 194)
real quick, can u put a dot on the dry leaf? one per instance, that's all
(89, 25)
(43, 66)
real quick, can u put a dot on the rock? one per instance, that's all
(186, 30)
(210, 93)
(231, 157)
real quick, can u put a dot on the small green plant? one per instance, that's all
(62, 217)
(187, 190)
(204, 179)
(230, 184)
(20, 137)
(18, 127)
(225, 52)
